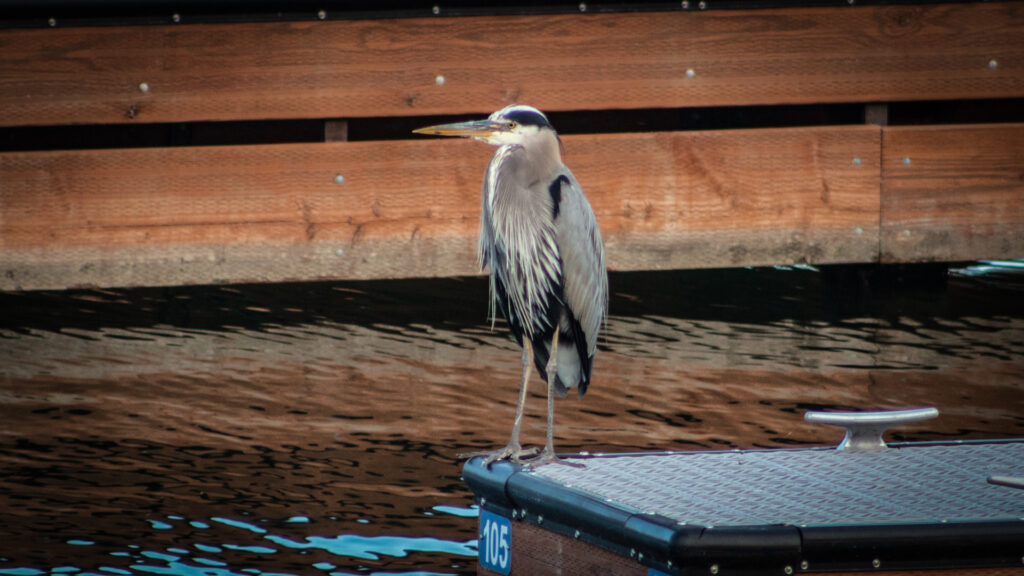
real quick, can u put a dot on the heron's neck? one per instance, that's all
(544, 155)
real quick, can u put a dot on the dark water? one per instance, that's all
(312, 428)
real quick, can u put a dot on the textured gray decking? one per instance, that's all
(808, 487)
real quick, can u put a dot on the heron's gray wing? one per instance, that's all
(582, 254)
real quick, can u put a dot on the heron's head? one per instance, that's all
(517, 124)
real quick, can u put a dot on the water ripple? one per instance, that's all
(312, 428)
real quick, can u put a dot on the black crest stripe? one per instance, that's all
(528, 118)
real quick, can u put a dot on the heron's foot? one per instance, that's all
(513, 452)
(549, 457)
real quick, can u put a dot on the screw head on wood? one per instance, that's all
(993, 64)
(339, 179)
(143, 87)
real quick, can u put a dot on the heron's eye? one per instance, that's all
(512, 125)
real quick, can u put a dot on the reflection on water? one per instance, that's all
(311, 428)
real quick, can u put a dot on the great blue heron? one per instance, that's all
(539, 239)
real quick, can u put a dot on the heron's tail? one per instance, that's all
(573, 371)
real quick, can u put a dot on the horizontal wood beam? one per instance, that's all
(953, 193)
(352, 210)
(418, 66)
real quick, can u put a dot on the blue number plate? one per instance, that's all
(495, 542)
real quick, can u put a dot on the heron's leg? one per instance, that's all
(547, 456)
(552, 370)
(513, 450)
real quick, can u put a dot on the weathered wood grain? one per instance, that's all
(187, 215)
(953, 193)
(734, 198)
(395, 67)
(411, 208)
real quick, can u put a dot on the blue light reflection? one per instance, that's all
(205, 559)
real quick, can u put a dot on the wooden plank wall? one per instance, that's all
(391, 67)
(409, 208)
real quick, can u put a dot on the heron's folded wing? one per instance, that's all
(582, 253)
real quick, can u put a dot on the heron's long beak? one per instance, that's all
(479, 129)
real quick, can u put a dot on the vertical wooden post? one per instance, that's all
(336, 131)
(877, 114)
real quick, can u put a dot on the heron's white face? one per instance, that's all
(508, 131)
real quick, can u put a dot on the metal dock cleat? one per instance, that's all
(864, 429)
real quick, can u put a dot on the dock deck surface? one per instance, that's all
(940, 483)
(913, 506)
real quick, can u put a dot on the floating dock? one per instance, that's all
(913, 508)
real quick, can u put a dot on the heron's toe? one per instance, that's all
(518, 457)
(513, 453)
(549, 457)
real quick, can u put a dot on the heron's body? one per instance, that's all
(530, 282)
(540, 242)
